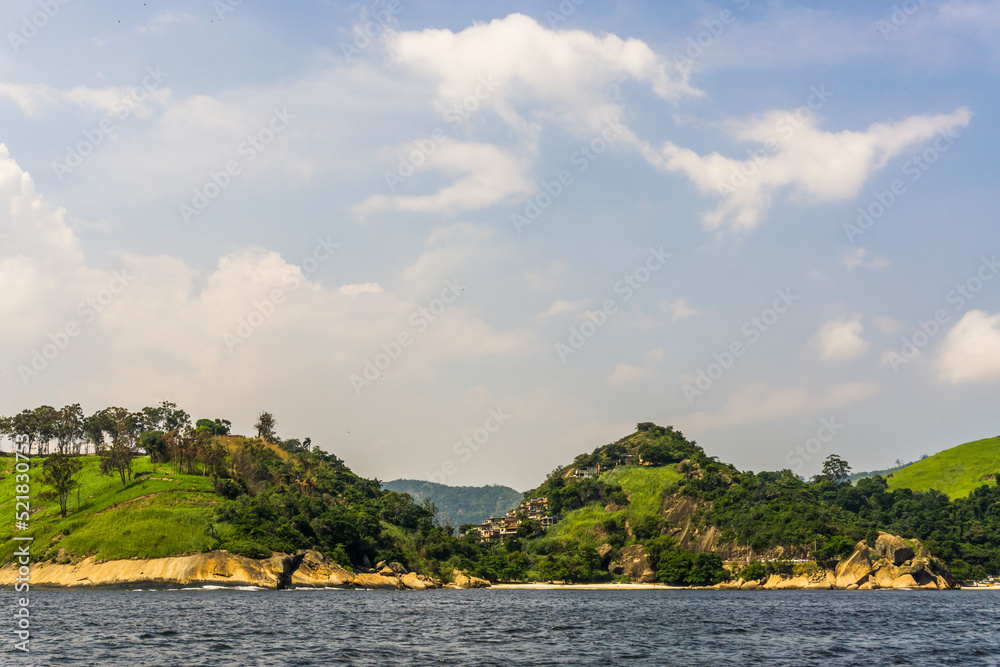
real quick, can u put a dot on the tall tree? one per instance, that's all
(836, 469)
(60, 472)
(265, 427)
(69, 429)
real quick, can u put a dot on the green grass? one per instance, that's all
(159, 513)
(644, 487)
(955, 472)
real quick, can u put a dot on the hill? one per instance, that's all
(955, 472)
(658, 500)
(459, 505)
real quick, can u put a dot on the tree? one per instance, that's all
(155, 444)
(836, 469)
(59, 471)
(265, 427)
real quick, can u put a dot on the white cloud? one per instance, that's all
(361, 288)
(495, 66)
(823, 166)
(32, 97)
(561, 307)
(546, 278)
(856, 257)
(491, 175)
(841, 339)
(679, 310)
(971, 350)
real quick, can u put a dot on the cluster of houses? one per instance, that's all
(496, 528)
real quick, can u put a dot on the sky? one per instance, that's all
(465, 242)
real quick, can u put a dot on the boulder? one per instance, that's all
(633, 563)
(749, 585)
(463, 580)
(397, 568)
(364, 580)
(386, 572)
(855, 569)
(417, 582)
(605, 551)
(895, 549)
(317, 571)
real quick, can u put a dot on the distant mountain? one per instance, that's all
(460, 504)
(955, 472)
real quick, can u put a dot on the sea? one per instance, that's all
(508, 627)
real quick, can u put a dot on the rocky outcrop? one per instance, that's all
(464, 580)
(869, 569)
(854, 570)
(306, 569)
(633, 563)
(894, 549)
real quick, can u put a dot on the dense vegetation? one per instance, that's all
(158, 485)
(459, 505)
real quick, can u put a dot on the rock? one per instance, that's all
(317, 571)
(868, 586)
(386, 572)
(855, 569)
(216, 568)
(364, 580)
(605, 551)
(749, 585)
(885, 575)
(417, 582)
(633, 563)
(463, 580)
(895, 549)
(379, 565)
(397, 568)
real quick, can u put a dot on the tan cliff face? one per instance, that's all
(308, 569)
(894, 563)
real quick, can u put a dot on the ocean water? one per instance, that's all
(509, 627)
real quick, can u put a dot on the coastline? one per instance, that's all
(589, 587)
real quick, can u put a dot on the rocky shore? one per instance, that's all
(306, 569)
(893, 563)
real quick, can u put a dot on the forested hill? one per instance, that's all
(459, 505)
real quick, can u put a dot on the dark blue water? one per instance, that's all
(510, 627)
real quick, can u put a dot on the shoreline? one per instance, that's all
(590, 587)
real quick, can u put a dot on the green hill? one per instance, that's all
(458, 505)
(955, 472)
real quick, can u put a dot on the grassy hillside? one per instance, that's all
(163, 513)
(459, 505)
(955, 472)
(594, 525)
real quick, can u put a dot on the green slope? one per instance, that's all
(460, 504)
(161, 513)
(955, 472)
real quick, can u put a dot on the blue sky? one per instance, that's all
(280, 196)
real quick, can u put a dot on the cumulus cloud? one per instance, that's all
(971, 350)
(494, 66)
(153, 326)
(841, 339)
(795, 154)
